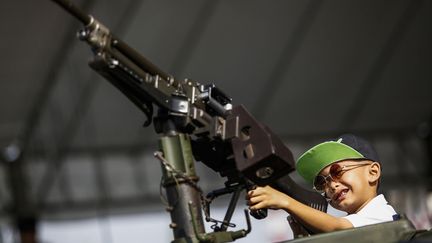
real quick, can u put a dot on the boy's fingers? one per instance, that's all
(263, 190)
(252, 193)
(257, 191)
(255, 200)
(258, 206)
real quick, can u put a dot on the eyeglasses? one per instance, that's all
(336, 172)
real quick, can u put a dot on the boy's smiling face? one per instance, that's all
(356, 186)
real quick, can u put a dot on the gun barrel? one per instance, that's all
(74, 10)
(141, 61)
(117, 43)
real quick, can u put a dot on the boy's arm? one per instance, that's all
(267, 197)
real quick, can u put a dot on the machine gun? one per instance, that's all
(194, 120)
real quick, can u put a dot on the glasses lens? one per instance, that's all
(336, 171)
(319, 183)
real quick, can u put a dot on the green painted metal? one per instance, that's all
(179, 181)
(178, 151)
(389, 232)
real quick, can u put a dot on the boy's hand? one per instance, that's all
(317, 221)
(267, 197)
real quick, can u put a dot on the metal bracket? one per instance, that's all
(96, 34)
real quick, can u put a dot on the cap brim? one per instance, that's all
(322, 155)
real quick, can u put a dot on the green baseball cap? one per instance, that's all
(320, 156)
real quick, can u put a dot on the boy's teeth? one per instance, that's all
(342, 193)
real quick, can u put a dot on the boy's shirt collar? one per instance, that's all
(372, 205)
(376, 211)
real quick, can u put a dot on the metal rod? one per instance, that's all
(121, 46)
(139, 60)
(231, 208)
(74, 10)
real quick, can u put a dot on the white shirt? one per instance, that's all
(376, 211)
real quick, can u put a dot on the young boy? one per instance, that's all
(347, 173)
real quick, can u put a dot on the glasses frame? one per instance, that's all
(329, 177)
